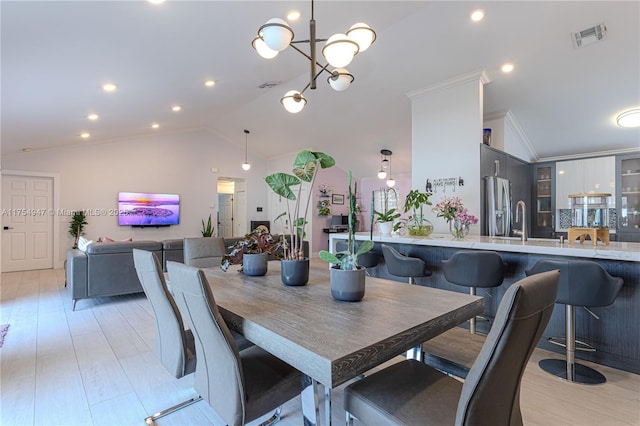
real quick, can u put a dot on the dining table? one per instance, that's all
(333, 341)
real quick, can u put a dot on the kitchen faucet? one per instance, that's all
(522, 233)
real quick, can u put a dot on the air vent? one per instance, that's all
(589, 36)
(269, 85)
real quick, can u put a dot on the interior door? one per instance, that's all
(27, 223)
(225, 215)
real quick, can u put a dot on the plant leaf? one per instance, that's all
(281, 184)
(304, 166)
(364, 247)
(328, 257)
(326, 161)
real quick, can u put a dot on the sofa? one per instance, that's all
(107, 269)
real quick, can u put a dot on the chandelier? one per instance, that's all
(276, 35)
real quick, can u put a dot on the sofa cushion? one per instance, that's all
(175, 244)
(123, 247)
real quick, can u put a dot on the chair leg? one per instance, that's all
(349, 419)
(151, 420)
(568, 369)
(472, 321)
(273, 419)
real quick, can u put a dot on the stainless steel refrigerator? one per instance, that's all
(498, 195)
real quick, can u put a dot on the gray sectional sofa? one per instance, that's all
(107, 269)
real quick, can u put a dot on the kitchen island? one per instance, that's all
(616, 335)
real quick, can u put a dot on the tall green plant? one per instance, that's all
(305, 168)
(76, 226)
(348, 259)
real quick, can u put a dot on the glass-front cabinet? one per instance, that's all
(628, 197)
(543, 200)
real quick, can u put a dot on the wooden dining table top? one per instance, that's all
(329, 340)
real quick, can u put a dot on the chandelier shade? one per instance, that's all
(293, 101)
(263, 50)
(276, 33)
(339, 50)
(340, 79)
(362, 34)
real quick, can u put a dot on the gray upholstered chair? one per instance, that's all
(582, 283)
(173, 346)
(239, 386)
(404, 266)
(204, 252)
(412, 393)
(474, 268)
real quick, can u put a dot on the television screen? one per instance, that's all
(142, 209)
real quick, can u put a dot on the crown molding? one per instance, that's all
(475, 75)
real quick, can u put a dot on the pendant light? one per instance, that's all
(384, 163)
(391, 182)
(246, 166)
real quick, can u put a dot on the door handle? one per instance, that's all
(6, 228)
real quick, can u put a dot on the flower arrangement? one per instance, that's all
(323, 208)
(448, 207)
(456, 214)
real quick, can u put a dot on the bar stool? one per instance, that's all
(582, 283)
(404, 266)
(409, 267)
(474, 269)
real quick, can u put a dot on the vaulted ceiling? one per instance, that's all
(57, 54)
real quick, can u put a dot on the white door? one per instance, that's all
(225, 215)
(240, 218)
(27, 223)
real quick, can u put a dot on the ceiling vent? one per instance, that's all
(589, 36)
(269, 85)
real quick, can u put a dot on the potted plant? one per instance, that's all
(294, 266)
(76, 226)
(417, 224)
(387, 216)
(252, 252)
(347, 276)
(207, 229)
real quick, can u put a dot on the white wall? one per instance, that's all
(447, 123)
(91, 177)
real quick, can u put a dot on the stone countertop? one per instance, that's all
(622, 251)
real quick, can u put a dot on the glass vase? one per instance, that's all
(458, 229)
(419, 227)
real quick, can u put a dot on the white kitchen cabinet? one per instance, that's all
(585, 176)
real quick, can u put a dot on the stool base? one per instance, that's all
(582, 373)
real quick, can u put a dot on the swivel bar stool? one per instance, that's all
(582, 283)
(474, 269)
(408, 267)
(404, 266)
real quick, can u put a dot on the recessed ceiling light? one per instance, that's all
(26, 149)
(109, 87)
(92, 116)
(209, 83)
(630, 118)
(477, 15)
(507, 68)
(155, 125)
(176, 108)
(156, 1)
(294, 15)
(85, 135)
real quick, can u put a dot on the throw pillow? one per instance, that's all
(111, 240)
(83, 243)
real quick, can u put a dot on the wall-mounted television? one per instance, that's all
(144, 209)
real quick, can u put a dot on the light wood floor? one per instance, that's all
(94, 366)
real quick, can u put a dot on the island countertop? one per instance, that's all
(622, 251)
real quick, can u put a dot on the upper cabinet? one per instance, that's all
(542, 224)
(628, 199)
(584, 176)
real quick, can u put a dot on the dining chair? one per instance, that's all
(412, 393)
(239, 386)
(173, 346)
(204, 252)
